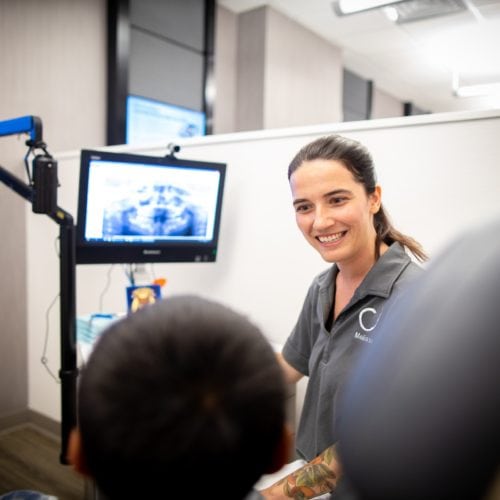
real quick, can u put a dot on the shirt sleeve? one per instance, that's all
(298, 347)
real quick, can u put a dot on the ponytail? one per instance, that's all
(386, 233)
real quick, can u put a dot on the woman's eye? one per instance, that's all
(337, 200)
(301, 208)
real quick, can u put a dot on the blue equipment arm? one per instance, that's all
(31, 125)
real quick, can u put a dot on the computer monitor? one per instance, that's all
(150, 121)
(136, 208)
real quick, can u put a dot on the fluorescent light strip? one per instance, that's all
(478, 90)
(345, 7)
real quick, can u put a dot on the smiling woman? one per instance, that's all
(338, 209)
(333, 211)
(336, 161)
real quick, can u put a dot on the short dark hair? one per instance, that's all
(358, 160)
(184, 395)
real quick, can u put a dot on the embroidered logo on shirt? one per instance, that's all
(367, 321)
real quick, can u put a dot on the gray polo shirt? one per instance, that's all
(326, 356)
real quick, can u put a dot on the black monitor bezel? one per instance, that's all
(157, 252)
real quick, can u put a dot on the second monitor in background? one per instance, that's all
(149, 121)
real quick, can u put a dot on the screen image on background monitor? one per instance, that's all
(150, 121)
(135, 208)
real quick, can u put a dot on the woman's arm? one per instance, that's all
(313, 479)
(292, 375)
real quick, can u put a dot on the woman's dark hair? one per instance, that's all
(358, 160)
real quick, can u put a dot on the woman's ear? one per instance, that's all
(75, 452)
(376, 199)
(282, 451)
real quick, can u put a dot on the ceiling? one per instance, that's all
(412, 61)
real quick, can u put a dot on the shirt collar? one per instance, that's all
(380, 278)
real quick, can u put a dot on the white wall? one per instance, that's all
(303, 75)
(439, 174)
(251, 62)
(286, 75)
(52, 60)
(225, 69)
(385, 105)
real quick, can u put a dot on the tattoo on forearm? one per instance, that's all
(312, 480)
(315, 478)
(328, 456)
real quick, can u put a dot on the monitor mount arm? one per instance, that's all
(41, 192)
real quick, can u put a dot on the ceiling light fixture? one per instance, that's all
(391, 13)
(418, 10)
(477, 90)
(404, 11)
(346, 7)
(481, 89)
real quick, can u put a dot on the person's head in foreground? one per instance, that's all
(182, 398)
(421, 414)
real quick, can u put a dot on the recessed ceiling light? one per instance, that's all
(391, 13)
(416, 10)
(479, 89)
(346, 7)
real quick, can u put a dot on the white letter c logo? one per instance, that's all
(360, 317)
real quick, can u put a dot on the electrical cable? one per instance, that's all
(106, 287)
(128, 272)
(44, 359)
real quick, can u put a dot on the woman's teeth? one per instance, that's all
(331, 238)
